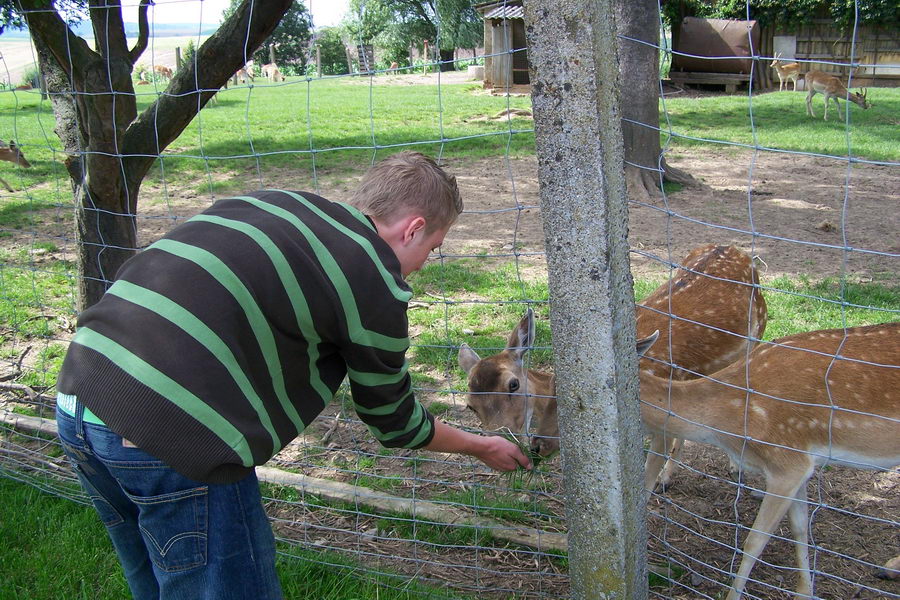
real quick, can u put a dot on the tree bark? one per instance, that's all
(447, 63)
(114, 146)
(645, 166)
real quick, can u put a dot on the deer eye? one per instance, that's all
(513, 384)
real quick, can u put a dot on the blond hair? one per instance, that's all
(409, 182)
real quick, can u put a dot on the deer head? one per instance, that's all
(13, 154)
(859, 98)
(500, 386)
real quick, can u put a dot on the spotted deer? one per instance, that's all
(13, 154)
(787, 72)
(794, 404)
(710, 313)
(832, 88)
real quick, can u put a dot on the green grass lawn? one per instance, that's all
(57, 549)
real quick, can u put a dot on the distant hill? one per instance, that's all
(131, 30)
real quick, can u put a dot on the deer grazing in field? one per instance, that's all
(786, 72)
(272, 73)
(245, 73)
(163, 71)
(13, 154)
(710, 313)
(795, 404)
(831, 87)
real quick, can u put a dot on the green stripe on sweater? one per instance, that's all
(358, 333)
(168, 388)
(258, 323)
(295, 293)
(197, 329)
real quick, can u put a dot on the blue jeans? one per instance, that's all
(176, 538)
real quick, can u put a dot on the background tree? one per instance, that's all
(291, 38)
(331, 51)
(449, 24)
(110, 146)
(639, 100)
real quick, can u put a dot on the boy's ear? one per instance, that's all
(412, 225)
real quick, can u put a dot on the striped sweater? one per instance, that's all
(223, 340)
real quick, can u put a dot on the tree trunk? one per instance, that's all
(447, 63)
(645, 167)
(110, 147)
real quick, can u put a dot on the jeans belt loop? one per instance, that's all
(79, 420)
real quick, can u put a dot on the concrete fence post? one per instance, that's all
(574, 75)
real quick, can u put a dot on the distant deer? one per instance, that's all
(715, 306)
(272, 73)
(245, 73)
(163, 71)
(786, 72)
(795, 404)
(831, 87)
(13, 154)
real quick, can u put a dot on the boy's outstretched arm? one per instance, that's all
(496, 452)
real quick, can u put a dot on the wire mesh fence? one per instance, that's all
(815, 210)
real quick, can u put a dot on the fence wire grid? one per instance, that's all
(820, 221)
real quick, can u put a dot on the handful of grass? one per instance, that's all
(520, 477)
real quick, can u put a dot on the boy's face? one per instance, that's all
(415, 251)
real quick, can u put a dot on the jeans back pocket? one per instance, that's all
(175, 528)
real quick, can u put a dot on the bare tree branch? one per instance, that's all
(143, 31)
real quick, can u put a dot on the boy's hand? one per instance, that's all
(493, 450)
(501, 454)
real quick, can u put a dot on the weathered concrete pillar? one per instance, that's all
(574, 75)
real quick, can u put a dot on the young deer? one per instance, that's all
(786, 72)
(13, 154)
(696, 337)
(831, 87)
(822, 397)
(272, 72)
(245, 73)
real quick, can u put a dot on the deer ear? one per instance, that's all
(522, 337)
(644, 344)
(467, 358)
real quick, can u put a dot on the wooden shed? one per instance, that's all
(505, 56)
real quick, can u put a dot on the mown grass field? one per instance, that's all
(335, 125)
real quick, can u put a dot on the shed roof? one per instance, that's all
(501, 10)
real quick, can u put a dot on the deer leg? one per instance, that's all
(797, 515)
(778, 498)
(6, 185)
(656, 456)
(809, 109)
(674, 455)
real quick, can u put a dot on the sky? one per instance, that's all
(325, 12)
